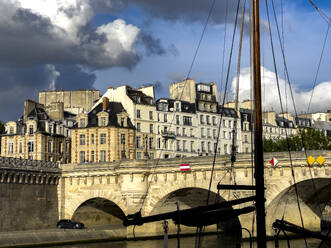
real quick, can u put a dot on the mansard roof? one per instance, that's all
(228, 112)
(139, 97)
(186, 107)
(113, 108)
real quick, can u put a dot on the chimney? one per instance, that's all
(105, 102)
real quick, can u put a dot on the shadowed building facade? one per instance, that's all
(104, 134)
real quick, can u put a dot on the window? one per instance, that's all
(225, 148)
(201, 119)
(30, 146)
(151, 155)
(138, 113)
(191, 132)
(138, 127)
(103, 121)
(187, 120)
(165, 117)
(202, 132)
(151, 115)
(159, 143)
(208, 119)
(81, 157)
(177, 106)
(122, 138)
(184, 145)
(271, 130)
(10, 147)
(122, 121)
(82, 122)
(102, 156)
(230, 123)
(246, 149)
(20, 147)
(246, 138)
(82, 139)
(224, 123)
(151, 128)
(138, 141)
(102, 138)
(49, 146)
(214, 133)
(184, 133)
(209, 147)
(224, 135)
(151, 143)
(123, 154)
(177, 131)
(158, 117)
(203, 146)
(208, 132)
(177, 119)
(92, 157)
(31, 129)
(214, 120)
(177, 145)
(92, 139)
(11, 130)
(192, 145)
(138, 155)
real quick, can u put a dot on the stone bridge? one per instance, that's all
(101, 194)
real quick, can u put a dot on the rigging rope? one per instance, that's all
(292, 98)
(222, 112)
(318, 68)
(224, 42)
(173, 118)
(321, 12)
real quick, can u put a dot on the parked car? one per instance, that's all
(70, 224)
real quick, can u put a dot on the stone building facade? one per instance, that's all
(36, 136)
(105, 134)
(74, 101)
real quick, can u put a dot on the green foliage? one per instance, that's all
(2, 128)
(310, 139)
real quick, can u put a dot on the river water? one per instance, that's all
(211, 241)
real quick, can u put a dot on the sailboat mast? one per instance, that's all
(258, 142)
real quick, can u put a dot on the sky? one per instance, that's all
(94, 44)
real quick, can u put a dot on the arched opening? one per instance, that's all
(99, 212)
(314, 197)
(194, 197)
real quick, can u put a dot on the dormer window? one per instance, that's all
(281, 123)
(31, 129)
(290, 124)
(122, 121)
(11, 130)
(82, 122)
(103, 121)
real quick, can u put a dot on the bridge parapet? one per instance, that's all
(24, 171)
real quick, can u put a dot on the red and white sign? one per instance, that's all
(273, 162)
(185, 167)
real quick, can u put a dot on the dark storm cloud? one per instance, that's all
(19, 84)
(187, 10)
(73, 78)
(30, 39)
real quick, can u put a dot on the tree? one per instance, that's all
(310, 139)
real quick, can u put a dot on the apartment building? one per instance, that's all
(39, 135)
(105, 134)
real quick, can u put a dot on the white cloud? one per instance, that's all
(120, 36)
(321, 100)
(58, 31)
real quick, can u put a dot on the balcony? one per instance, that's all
(168, 134)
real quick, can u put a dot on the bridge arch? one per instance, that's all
(314, 202)
(99, 211)
(75, 202)
(189, 197)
